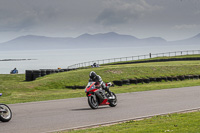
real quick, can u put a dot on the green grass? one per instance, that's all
(16, 90)
(176, 123)
(156, 58)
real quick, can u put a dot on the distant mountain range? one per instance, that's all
(102, 40)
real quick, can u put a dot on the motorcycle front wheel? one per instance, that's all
(92, 101)
(5, 113)
(113, 102)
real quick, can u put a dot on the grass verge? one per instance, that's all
(176, 123)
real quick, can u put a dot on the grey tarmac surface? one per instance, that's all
(55, 115)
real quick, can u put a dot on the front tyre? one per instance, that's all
(92, 101)
(113, 102)
(5, 113)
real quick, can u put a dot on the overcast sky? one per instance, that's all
(170, 19)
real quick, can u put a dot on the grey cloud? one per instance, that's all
(16, 26)
(141, 18)
(124, 11)
(187, 27)
(113, 17)
(24, 15)
(28, 14)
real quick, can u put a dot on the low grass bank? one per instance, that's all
(176, 123)
(16, 90)
(155, 58)
(18, 94)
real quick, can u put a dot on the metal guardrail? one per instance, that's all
(133, 58)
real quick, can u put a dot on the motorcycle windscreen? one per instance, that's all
(90, 86)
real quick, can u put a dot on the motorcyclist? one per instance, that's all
(96, 78)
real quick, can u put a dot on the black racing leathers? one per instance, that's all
(99, 80)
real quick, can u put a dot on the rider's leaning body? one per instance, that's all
(96, 78)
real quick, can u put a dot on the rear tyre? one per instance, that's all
(5, 113)
(92, 101)
(113, 102)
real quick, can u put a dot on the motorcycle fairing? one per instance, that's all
(90, 86)
(105, 102)
(100, 98)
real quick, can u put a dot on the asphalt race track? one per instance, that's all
(55, 115)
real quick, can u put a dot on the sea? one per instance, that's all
(63, 58)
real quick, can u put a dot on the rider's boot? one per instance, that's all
(110, 93)
(111, 97)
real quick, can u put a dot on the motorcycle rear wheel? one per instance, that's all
(92, 101)
(5, 113)
(113, 102)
